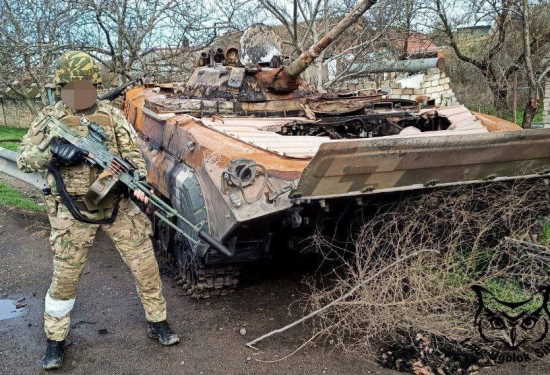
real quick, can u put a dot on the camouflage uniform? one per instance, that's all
(70, 239)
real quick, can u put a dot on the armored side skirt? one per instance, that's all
(355, 167)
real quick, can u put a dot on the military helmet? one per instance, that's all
(76, 65)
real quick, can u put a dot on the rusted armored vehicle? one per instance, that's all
(253, 154)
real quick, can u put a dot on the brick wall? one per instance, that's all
(546, 110)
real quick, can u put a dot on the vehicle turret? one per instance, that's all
(259, 71)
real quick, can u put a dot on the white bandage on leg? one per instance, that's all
(56, 307)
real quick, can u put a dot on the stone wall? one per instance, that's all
(546, 109)
(432, 84)
(15, 113)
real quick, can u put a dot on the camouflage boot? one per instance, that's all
(53, 359)
(162, 332)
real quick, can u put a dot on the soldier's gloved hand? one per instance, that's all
(66, 153)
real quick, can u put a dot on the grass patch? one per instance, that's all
(510, 291)
(519, 116)
(545, 239)
(507, 115)
(11, 135)
(10, 197)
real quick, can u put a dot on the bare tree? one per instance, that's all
(306, 22)
(235, 15)
(121, 33)
(375, 40)
(32, 34)
(486, 60)
(534, 80)
(408, 12)
(124, 35)
(496, 56)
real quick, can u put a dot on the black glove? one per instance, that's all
(65, 153)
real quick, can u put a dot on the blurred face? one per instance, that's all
(79, 95)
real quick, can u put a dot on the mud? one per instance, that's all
(108, 333)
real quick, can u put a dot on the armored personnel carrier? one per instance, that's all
(249, 151)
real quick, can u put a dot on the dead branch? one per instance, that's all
(478, 231)
(337, 300)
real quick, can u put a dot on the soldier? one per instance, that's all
(76, 78)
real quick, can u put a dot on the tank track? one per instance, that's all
(196, 279)
(208, 281)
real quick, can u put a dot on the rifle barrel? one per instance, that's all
(117, 91)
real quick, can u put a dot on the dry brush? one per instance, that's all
(430, 295)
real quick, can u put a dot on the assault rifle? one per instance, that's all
(116, 92)
(117, 169)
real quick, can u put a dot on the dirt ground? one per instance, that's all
(107, 300)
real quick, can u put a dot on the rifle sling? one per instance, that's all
(69, 202)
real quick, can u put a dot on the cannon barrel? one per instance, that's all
(296, 67)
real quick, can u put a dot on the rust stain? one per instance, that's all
(495, 124)
(135, 99)
(212, 147)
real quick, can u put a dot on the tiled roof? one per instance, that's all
(418, 44)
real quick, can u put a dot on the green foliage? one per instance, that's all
(470, 272)
(509, 115)
(519, 116)
(471, 268)
(9, 133)
(545, 239)
(10, 197)
(510, 291)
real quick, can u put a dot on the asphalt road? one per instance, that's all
(108, 329)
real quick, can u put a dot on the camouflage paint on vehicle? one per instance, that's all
(305, 168)
(397, 164)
